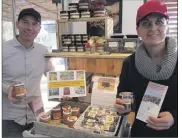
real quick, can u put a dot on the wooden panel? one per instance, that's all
(106, 66)
(101, 66)
(91, 65)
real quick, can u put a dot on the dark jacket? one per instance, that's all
(131, 80)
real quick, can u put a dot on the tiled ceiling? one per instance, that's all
(47, 9)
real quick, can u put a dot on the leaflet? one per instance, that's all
(104, 91)
(152, 101)
(71, 83)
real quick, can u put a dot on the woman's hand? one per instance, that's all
(119, 105)
(163, 122)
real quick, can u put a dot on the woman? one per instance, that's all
(155, 60)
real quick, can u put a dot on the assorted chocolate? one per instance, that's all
(98, 120)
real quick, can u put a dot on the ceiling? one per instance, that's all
(47, 9)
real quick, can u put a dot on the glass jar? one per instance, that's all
(92, 49)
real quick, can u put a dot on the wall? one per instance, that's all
(129, 15)
(77, 27)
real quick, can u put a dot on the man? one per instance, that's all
(23, 62)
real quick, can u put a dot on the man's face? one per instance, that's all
(153, 29)
(28, 28)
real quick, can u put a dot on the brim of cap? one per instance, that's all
(151, 13)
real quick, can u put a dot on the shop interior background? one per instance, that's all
(47, 35)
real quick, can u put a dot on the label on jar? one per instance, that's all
(56, 115)
(20, 90)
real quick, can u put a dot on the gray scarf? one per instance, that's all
(151, 71)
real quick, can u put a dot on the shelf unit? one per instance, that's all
(107, 64)
(62, 27)
(85, 55)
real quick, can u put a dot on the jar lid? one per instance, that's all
(21, 84)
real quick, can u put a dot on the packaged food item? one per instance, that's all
(80, 49)
(64, 15)
(65, 48)
(83, 6)
(75, 111)
(78, 37)
(71, 120)
(20, 90)
(66, 114)
(44, 117)
(72, 48)
(66, 107)
(85, 14)
(73, 6)
(56, 113)
(105, 127)
(84, 38)
(66, 39)
(74, 14)
(109, 119)
(99, 13)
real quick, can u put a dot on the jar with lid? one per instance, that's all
(20, 90)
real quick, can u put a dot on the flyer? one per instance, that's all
(71, 83)
(104, 91)
(152, 101)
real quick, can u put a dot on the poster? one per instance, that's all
(114, 10)
(71, 83)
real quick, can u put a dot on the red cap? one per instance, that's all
(151, 7)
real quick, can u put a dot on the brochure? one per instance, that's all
(152, 101)
(71, 83)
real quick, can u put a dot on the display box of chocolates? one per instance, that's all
(73, 118)
(98, 120)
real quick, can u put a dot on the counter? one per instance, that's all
(107, 64)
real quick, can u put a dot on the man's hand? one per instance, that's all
(163, 122)
(12, 94)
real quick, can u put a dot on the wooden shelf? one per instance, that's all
(83, 19)
(86, 55)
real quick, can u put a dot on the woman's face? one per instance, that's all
(153, 29)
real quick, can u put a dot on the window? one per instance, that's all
(7, 31)
(172, 6)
